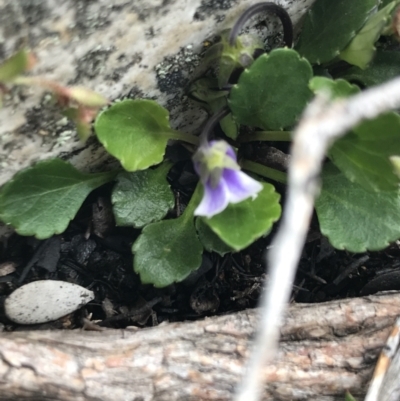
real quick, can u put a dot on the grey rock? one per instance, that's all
(120, 48)
(45, 300)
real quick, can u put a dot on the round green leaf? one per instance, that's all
(210, 240)
(136, 132)
(240, 224)
(273, 92)
(361, 49)
(167, 251)
(142, 197)
(353, 218)
(42, 199)
(330, 25)
(338, 88)
(363, 155)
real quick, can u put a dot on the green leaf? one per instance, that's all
(136, 132)
(384, 66)
(14, 66)
(41, 200)
(240, 224)
(87, 97)
(210, 60)
(330, 25)
(228, 58)
(349, 397)
(338, 88)
(228, 124)
(142, 197)
(83, 128)
(353, 218)
(395, 160)
(169, 250)
(273, 92)
(238, 56)
(384, 3)
(361, 49)
(206, 90)
(363, 155)
(210, 240)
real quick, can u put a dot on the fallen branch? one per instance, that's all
(326, 349)
(323, 122)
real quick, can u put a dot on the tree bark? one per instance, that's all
(326, 349)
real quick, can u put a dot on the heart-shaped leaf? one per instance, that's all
(361, 49)
(169, 250)
(136, 132)
(384, 66)
(142, 197)
(353, 218)
(242, 223)
(273, 92)
(338, 88)
(42, 199)
(210, 240)
(363, 155)
(330, 25)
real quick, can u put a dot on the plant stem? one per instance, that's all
(188, 213)
(194, 140)
(283, 136)
(212, 122)
(273, 8)
(264, 171)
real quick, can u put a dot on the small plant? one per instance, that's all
(340, 51)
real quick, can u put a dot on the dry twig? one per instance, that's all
(326, 349)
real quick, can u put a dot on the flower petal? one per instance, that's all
(240, 185)
(231, 153)
(214, 201)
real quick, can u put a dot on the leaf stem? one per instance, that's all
(264, 171)
(194, 140)
(212, 122)
(283, 136)
(188, 213)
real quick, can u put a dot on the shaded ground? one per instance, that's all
(95, 254)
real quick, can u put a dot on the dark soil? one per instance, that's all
(95, 254)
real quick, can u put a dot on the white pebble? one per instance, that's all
(45, 300)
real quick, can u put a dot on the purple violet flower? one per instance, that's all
(223, 182)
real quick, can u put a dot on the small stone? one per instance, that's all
(62, 122)
(7, 268)
(45, 300)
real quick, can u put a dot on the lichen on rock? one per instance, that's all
(119, 48)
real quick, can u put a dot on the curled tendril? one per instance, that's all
(280, 12)
(211, 123)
